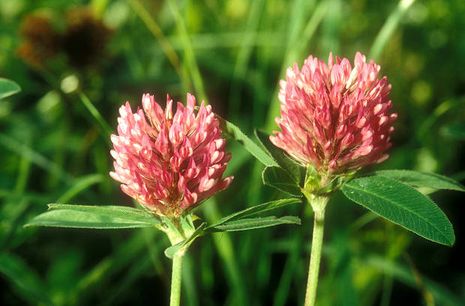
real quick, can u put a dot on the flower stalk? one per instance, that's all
(176, 278)
(319, 206)
(176, 233)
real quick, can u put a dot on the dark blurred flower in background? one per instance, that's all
(82, 40)
(85, 37)
(40, 42)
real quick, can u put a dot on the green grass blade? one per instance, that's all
(189, 55)
(224, 247)
(104, 126)
(35, 157)
(317, 17)
(388, 28)
(23, 175)
(80, 185)
(244, 55)
(289, 271)
(151, 24)
(296, 45)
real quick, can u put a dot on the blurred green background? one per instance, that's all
(75, 59)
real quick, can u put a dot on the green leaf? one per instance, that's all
(422, 179)
(8, 88)
(296, 171)
(80, 185)
(235, 133)
(256, 209)
(280, 179)
(403, 205)
(95, 217)
(96, 116)
(243, 220)
(253, 223)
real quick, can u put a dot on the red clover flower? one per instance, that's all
(169, 162)
(335, 117)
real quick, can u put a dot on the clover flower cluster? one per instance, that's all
(335, 117)
(169, 162)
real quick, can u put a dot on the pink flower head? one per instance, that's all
(169, 163)
(335, 117)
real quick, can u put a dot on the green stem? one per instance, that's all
(318, 205)
(176, 277)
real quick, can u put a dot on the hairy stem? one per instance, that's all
(318, 205)
(176, 277)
